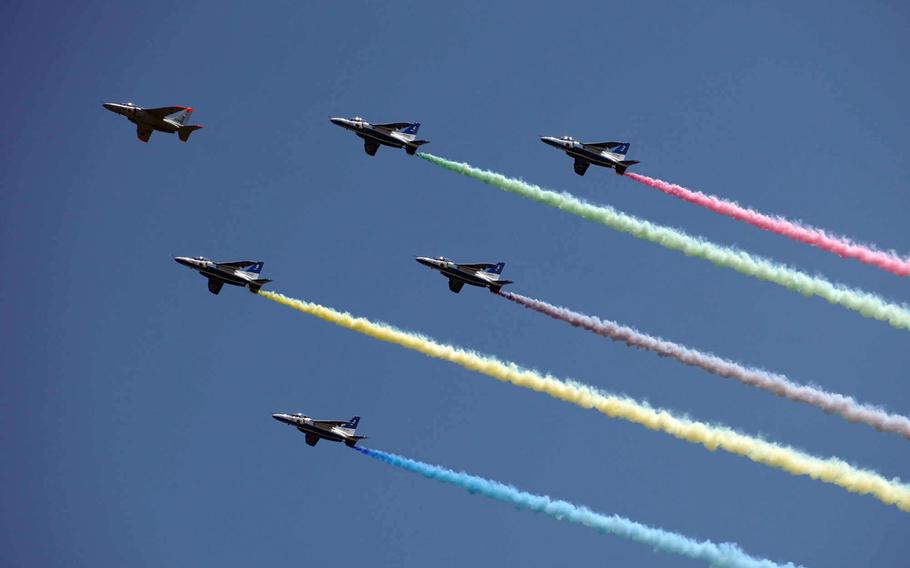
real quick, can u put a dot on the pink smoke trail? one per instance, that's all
(840, 246)
(835, 403)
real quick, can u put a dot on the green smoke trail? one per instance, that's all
(869, 305)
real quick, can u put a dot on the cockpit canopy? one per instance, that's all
(443, 259)
(568, 139)
(357, 118)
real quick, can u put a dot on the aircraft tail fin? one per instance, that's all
(351, 425)
(182, 116)
(255, 268)
(621, 149)
(411, 147)
(411, 129)
(185, 131)
(497, 270)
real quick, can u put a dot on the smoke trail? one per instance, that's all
(725, 554)
(840, 246)
(867, 304)
(777, 384)
(830, 470)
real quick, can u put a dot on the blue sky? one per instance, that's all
(135, 407)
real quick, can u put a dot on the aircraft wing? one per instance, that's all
(164, 111)
(330, 423)
(581, 166)
(215, 285)
(370, 147)
(602, 145)
(236, 263)
(478, 266)
(143, 132)
(394, 125)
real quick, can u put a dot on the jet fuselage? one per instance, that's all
(138, 115)
(218, 274)
(585, 154)
(332, 430)
(458, 274)
(395, 135)
(365, 130)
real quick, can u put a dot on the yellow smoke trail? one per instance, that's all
(830, 470)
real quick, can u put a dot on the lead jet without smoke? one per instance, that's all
(394, 134)
(482, 274)
(606, 154)
(238, 273)
(333, 430)
(164, 119)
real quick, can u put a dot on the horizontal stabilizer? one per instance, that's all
(255, 285)
(411, 147)
(621, 166)
(185, 131)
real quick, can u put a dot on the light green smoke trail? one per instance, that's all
(869, 305)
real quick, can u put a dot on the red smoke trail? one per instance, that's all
(835, 403)
(840, 246)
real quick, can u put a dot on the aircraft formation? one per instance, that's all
(612, 155)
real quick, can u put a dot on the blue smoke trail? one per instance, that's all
(724, 554)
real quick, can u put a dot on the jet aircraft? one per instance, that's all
(606, 154)
(239, 273)
(164, 119)
(333, 430)
(394, 134)
(482, 275)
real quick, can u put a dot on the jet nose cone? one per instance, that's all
(425, 261)
(549, 140)
(108, 106)
(185, 261)
(277, 417)
(337, 121)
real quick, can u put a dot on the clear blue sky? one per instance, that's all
(135, 405)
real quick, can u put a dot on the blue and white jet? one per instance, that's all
(315, 430)
(394, 134)
(483, 275)
(236, 273)
(606, 154)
